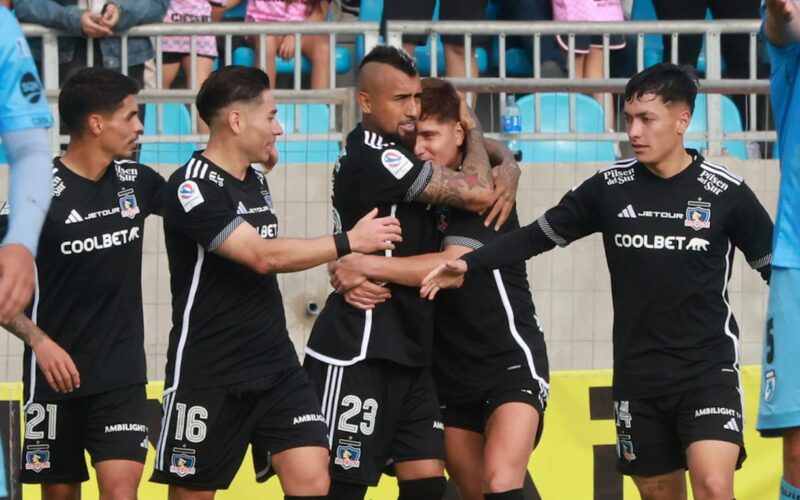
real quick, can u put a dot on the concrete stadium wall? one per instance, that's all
(571, 286)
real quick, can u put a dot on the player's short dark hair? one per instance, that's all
(92, 90)
(395, 57)
(440, 100)
(670, 82)
(228, 85)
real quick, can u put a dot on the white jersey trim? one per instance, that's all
(724, 169)
(619, 164)
(512, 327)
(364, 345)
(722, 172)
(728, 331)
(330, 399)
(34, 319)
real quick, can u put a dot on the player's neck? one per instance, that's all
(86, 161)
(227, 157)
(672, 165)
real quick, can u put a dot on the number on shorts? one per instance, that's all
(622, 411)
(370, 408)
(37, 415)
(190, 423)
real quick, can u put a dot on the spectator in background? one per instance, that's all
(534, 10)
(315, 47)
(589, 48)
(346, 10)
(97, 19)
(176, 50)
(449, 10)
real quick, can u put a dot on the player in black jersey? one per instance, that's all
(233, 377)
(371, 367)
(489, 359)
(670, 221)
(84, 384)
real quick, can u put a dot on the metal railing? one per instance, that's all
(713, 84)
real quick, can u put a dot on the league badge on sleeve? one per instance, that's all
(396, 163)
(128, 206)
(698, 215)
(189, 195)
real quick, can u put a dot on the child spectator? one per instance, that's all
(315, 47)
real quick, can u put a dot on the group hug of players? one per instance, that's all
(391, 382)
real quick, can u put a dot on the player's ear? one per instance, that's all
(460, 134)
(684, 120)
(364, 102)
(94, 124)
(235, 120)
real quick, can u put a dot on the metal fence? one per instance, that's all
(713, 84)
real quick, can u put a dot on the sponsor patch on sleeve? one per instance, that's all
(189, 195)
(396, 163)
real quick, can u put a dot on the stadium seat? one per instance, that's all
(177, 121)
(731, 122)
(3, 156)
(314, 119)
(246, 56)
(236, 13)
(555, 118)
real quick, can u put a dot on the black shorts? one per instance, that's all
(422, 10)
(473, 415)
(110, 426)
(379, 413)
(205, 432)
(653, 433)
(176, 57)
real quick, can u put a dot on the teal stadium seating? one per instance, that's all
(177, 121)
(555, 118)
(314, 119)
(731, 122)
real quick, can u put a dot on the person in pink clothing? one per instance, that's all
(589, 48)
(176, 50)
(315, 47)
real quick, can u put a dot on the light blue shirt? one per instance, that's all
(785, 90)
(23, 104)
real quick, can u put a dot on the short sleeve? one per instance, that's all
(153, 186)
(199, 210)
(466, 229)
(576, 215)
(23, 104)
(392, 175)
(751, 229)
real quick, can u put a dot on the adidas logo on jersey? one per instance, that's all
(627, 213)
(732, 426)
(73, 217)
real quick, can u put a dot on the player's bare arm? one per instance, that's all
(448, 274)
(352, 270)
(55, 362)
(505, 173)
(471, 187)
(367, 295)
(783, 22)
(285, 255)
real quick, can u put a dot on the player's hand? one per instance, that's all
(447, 275)
(371, 233)
(286, 48)
(367, 295)
(780, 10)
(347, 273)
(56, 365)
(466, 115)
(506, 179)
(93, 26)
(110, 16)
(16, 280)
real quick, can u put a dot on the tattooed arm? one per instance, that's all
(55, 363)
(505, 173)
(471, 187)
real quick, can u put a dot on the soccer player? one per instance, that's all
(233, 377)
(489, 358)
(372, 367)
(89, 300)
(779, 413)
(24, 120)
(670, 221)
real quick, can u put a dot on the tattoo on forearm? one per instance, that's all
(24, 329)
(476, 161)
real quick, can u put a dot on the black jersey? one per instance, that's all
(669, 246)
(373, 172)
(228, 323)
(487, 327)
(89, 276)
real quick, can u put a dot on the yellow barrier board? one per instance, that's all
(575, 458)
